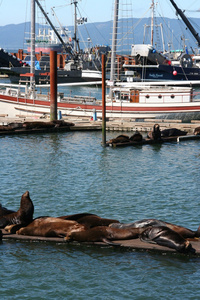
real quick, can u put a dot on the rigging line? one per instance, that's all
(132, 28)
(93, 24)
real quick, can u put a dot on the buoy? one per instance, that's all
(59, 115)
(94, 115)
(174, 73)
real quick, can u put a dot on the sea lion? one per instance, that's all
(50, 124)
(197, 131)
(155, 134)
(50, 227)
(89, 220)
(104, 234)
(23, 216)
(4, 211)
(136, 137)
(164, 236)
(172, 132)
(122, 138)
(184, 232)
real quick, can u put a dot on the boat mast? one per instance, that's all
(187, 22)
(114, 42)
(32, 70)
(75, 25)
(152, 22)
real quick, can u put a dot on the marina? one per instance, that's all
(126, 151)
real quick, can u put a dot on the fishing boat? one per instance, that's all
(125, 100)
(149, 64)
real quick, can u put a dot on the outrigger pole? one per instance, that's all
(186, 21)
(53, 27)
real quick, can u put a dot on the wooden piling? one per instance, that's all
(103, 102)
(53, 85)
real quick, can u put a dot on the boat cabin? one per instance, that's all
(153, 94)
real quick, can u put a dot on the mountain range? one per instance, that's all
(13, 36)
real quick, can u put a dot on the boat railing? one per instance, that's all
(82, 99)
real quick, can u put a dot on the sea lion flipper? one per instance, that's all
(106, 241)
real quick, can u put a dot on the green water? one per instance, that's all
(70, 173)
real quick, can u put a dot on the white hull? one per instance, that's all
(19, 106)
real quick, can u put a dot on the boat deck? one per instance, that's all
(132, 244)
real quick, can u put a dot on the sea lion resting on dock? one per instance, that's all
(89, 220)
(172, 132)
(184, 232)
(23, 216)
(122, 138)
(50, 124)
(50, 227)
(104, 234)
(164, 236)
(136, 137)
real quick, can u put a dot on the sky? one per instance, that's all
(18, 11)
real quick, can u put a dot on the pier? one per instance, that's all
(112, 125)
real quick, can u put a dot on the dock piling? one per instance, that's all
(103, 102)
(53, 85)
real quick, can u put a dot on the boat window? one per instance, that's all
(124, 96)
(147, 96)
(159, 96)
(172, 96)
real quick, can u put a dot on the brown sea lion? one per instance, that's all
(164, 236)
(197, 131)
(4, 211)
(23, 216)
(104, 234)
(184, 232)
(38, 124)
(172, 132)
(136, 137)
(89, 220)
(50, 227)
(122, 138)
(155, 134)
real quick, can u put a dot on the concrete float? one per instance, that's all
(132, 244)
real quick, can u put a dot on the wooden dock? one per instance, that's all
(133, 244)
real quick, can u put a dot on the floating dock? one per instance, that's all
(132, 244)
(153, 142)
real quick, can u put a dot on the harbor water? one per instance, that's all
(71, 172)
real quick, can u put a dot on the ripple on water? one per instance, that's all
(69, 173)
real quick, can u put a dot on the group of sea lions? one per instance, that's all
(86, 227)
(35, 125)
(155, 134)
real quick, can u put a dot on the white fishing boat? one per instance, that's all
(126, 102)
